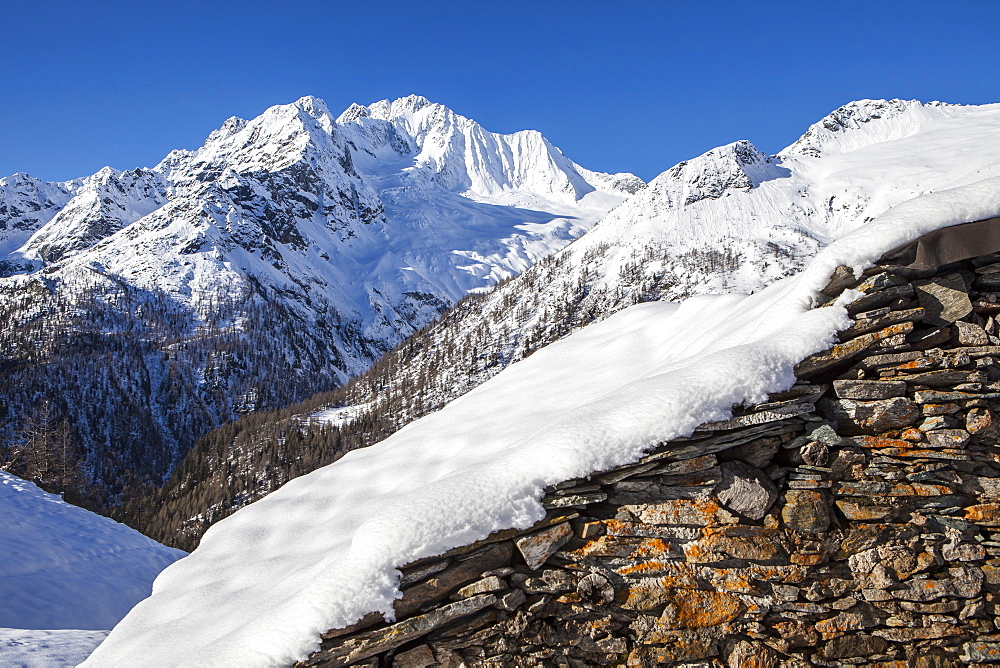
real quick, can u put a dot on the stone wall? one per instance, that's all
(853, 520)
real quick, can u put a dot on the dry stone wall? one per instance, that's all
(853, 520)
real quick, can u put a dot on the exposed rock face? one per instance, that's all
(852, 521)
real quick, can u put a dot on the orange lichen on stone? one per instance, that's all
(671, 574)
(984, 513)
(807, 559)
(881, 442)
(912, 434)
(618, 546)
(689, 609)
(689, 512)
(645, 568)
(940, 409)
(739, 542)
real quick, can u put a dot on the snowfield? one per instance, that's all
(27, 648)
(324, 550)
(67, 571)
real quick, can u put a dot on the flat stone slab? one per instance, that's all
(868, 390)
(945, 299)
(537, 548)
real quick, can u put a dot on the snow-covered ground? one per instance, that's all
(325, 549)
(33, 648)
(67, 571)
(339, 416)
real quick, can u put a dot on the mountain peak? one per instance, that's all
(312, 105)
(862, 123)
(736, 166)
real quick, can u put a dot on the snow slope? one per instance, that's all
(324, 549)
(63, 567)
(29, 648)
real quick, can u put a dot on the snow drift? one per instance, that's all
(325, 549)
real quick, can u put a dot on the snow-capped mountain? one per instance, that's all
(283, 256)
(731, 220)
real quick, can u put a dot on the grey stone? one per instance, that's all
(939, 422)
(761, 417)
(484, 586)
(890, 359)
(878, 299)
(948, 438)
(870, 417)
(757, 453)
(413, 575)
(446, 582)
(965, 582)
(868, 390)
(552, 581)
(825, 434)
(815, 453)
(512, 600)
(683, 449)
(945, 299)
(854, 645)
(375, 642)
(943, 377)
(845, 352)
(567, 500)
(969, 334)
(537, 548)
(418, 657)
(872, 320)
(806, 510)
(843, 277)
(746, 490)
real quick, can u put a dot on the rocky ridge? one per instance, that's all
(852, 520)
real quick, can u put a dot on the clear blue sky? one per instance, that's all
(619, 86)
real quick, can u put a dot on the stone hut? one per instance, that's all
(851, 520)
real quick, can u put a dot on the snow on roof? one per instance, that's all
(324, 549)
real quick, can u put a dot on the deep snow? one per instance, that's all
(324, 549)
(64, 567)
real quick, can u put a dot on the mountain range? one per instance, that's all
(284, 256)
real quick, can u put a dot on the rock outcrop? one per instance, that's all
(852, 520)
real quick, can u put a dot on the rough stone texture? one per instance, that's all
(537, 548)
(746, 490)
(868, 390)
(871, 417)
(797, 534)
(970, 334)
(944, 298)
(806, 510)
